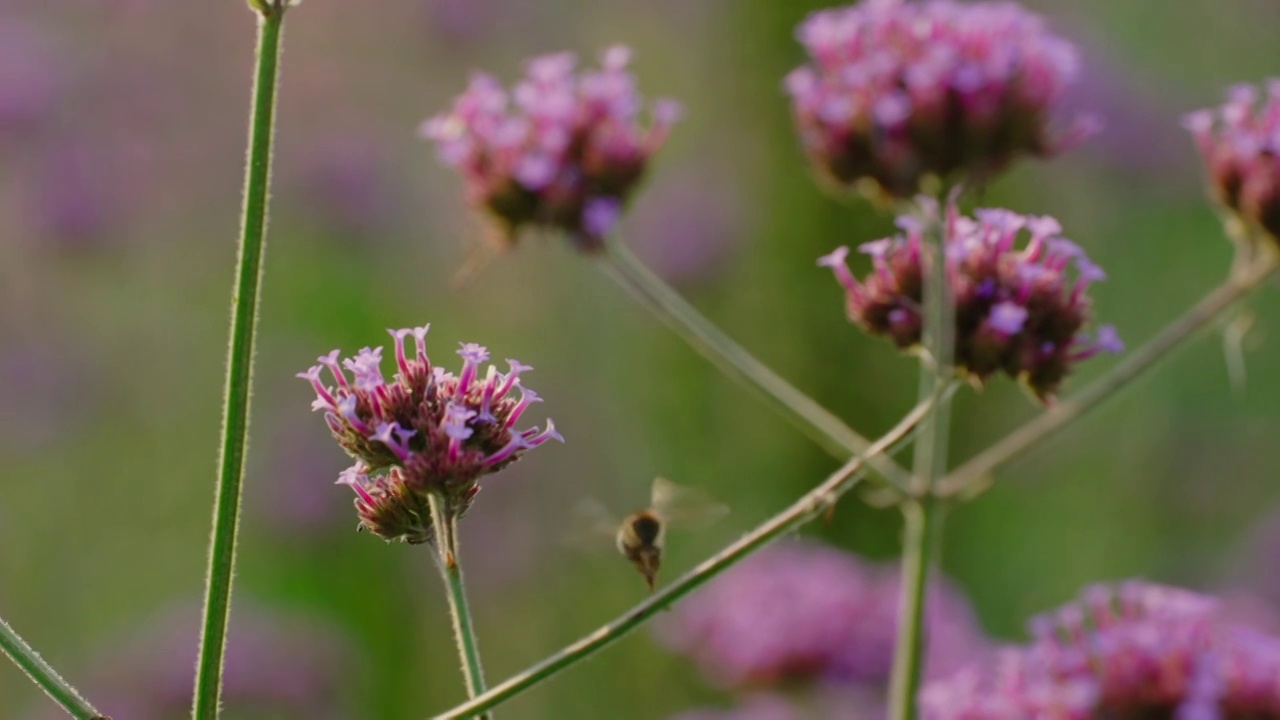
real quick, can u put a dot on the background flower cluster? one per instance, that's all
(117, 193)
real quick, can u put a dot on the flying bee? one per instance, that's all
(641, 536)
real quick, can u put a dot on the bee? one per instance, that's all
(641, 536)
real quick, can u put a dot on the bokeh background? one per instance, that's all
(121, 142)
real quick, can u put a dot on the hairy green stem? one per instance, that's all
(464, 634)
(922, 514)
(1213, 306)
(45, 676)
(235, 408)
(820, 424)
(808, 507)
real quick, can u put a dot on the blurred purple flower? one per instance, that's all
(685, 227)
(50, 391)
(31, 79)
(465, 20)
(807, 612)
(277, 665)
(1136, 102)
(1138, 650)
(346, 188)
(568, 155)
(70, 201)
(1240, 144)
(294, 458)
(897, 91)
(1017, 310)
(428, 430)
(824, 702)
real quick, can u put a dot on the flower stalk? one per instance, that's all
(817, 422)
(809, 507)
(922, 512)
(244, 315)
(40, 672)
(464, 634)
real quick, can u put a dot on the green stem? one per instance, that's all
(235, 409)
(808, 507)
(820, 424)
(921, 515)
(45, 676)
(921, 526)
(1205, 313)
(464, 634)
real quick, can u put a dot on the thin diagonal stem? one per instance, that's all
(464, 634)
(922, 513)
(1213, 306)
(808, 507)
(820, 424)
(45, 676)
(235, 409)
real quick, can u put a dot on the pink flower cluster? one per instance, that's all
(1135, 651)
(425, 431)
(569, 153)
(897, 91)
(1240, 143)
(1017, 310)
(807, 612)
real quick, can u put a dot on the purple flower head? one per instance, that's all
(1019, 310)
(805, 612)
(425, 431)
(896, 91)
(1240, 144)
(1136, 650)
(564, 150)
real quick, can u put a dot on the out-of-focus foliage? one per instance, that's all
(121, 142)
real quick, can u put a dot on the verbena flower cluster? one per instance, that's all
(1240, 143)
(896, 91)
(1020, 310)
(810, 613)
(569, 153)
(1134, 651)
(425, 431)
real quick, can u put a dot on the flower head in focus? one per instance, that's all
(811, 613)
(1134, 651)
(899, 91)
(562, 150)
(1021, 310)
(1240, 144)
(424, 431)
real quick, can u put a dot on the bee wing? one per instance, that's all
(682, 505)
(592, 526)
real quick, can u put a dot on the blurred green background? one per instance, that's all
(121, 142)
